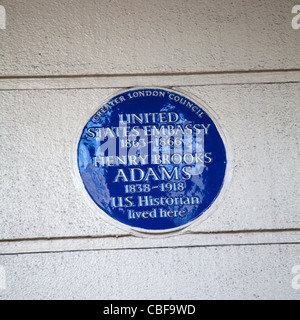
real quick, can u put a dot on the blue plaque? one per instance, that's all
(152, 159)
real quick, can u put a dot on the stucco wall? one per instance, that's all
(61, 59)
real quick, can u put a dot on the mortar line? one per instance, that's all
(146, 74)
(152, 248)
(94, 237)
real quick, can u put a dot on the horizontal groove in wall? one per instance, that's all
(125, 242)
(162, 79)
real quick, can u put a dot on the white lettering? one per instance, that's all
(121, 174)
(120, 310)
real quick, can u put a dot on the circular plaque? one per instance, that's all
(152, 160)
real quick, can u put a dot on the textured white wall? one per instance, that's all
(241, 58)
(128, 36)
(233, 272)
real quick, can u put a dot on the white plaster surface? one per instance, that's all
(127, 36)
(235, 272)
